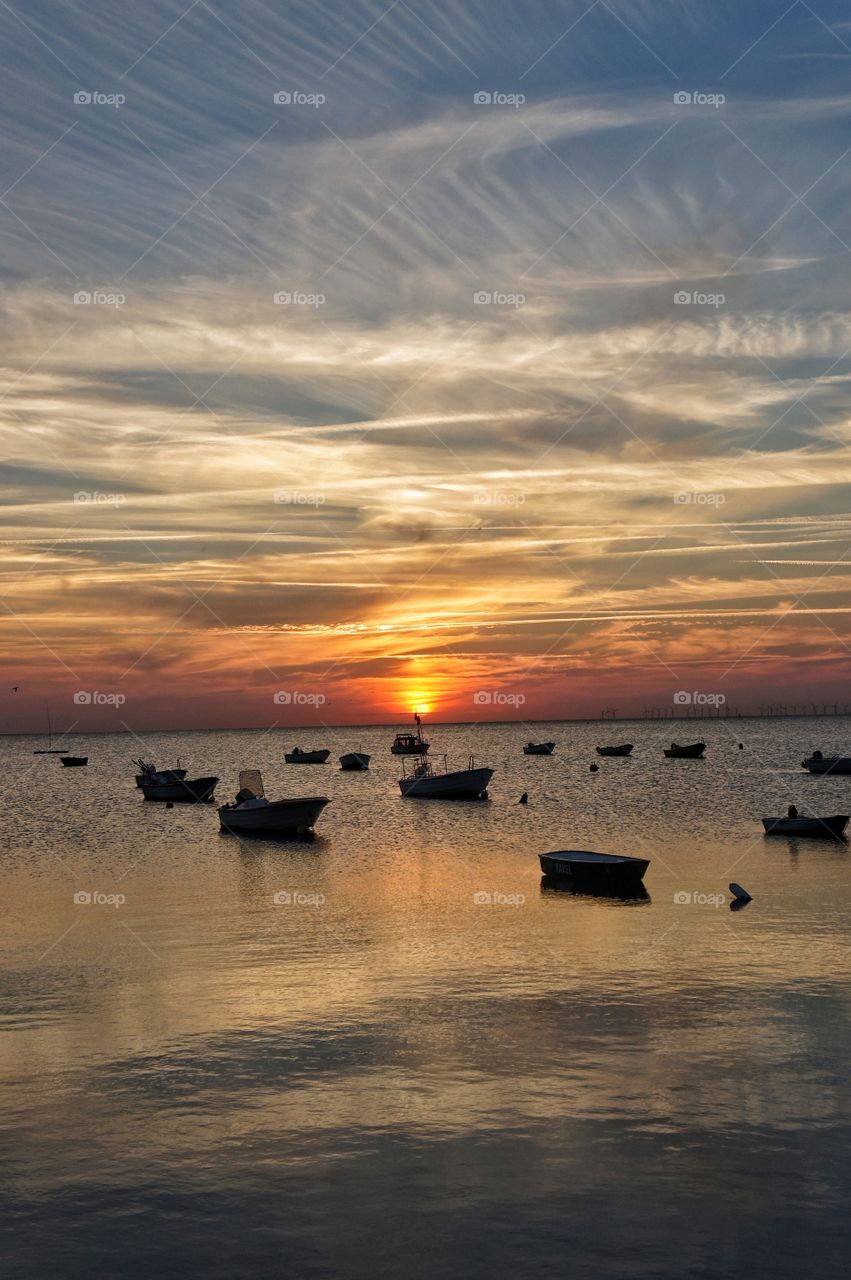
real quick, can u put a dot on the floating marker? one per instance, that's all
(740, 894)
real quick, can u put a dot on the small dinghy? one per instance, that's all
(180, 790)
(832, 828)
(251, 813)
(623, 750)
(297, 756)
(693, 752)
(75, 762)
(354, 761)
(817, 763)
(539, 748)
(427, 783)
(582, 867)
(147, 771)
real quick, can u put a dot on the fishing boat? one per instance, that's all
(410, 744)
(693, 752)
(817, 763)
(354, 761)
(182, 790)
(623, 750)
(147, 771)
(539, 748)
(297, 756)
(251, 813)
(427, 783)
(49, 750)
(582, 867)
(826, 828)
(74, 762)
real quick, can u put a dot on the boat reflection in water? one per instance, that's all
(636, 894)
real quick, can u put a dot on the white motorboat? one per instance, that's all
(427, 783)
(251, 813)
(831, 828)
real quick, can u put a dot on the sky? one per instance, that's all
(490, 359)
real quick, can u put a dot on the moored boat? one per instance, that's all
(354, 761)
(623, 750)
(692, 752)
(181, 790)
(539, 748)
(583, 867)
(297, 756)
(826, 828)
(251, 813)
(148, 771)
(410, 744)
(427, 783)
(75, 762)
(818, 763)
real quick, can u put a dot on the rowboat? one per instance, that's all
(623, 750)
(75, 762)
(582, 867)
(251, 813)
(148, 771)
(539, 748)
(354, 761)
(829, 828)
(693, 752)
(817, 763)
(426, 783)
(297, 756)
(410, 744)
(182, 790)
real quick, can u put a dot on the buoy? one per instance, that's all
(741, 746)
(169, 804)
(740, 894)
(524, 799)
(594, 768)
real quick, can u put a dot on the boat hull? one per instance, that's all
(582, 867)
(354, 762)
(828, 764)
(184, 791)
(74, 762)
(307, 757)
(278, 818)
(465, 784)
(693, 752)
(832, 828)
(421, 749)
(615, 751)
(539, 749)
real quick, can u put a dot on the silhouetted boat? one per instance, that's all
(75, 762)
(615, 751)
(148, 771)
(251, 813)
(693, 752)
(181, 790)
(539, 748)
(817, 763)
(425, 783)
(410, 744)
(582, 867)
(297, 756)
(830, 828)
(354, 761)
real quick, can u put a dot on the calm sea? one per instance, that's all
(423, 1064)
